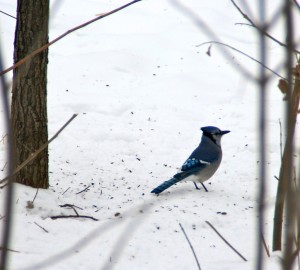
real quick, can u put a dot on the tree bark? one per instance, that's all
(29, 93)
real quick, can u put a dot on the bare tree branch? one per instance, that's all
(260, 29)
(205, 28)
(247, 55)
(36, 153)
(29, 56)
(8, 249)
(8, 14)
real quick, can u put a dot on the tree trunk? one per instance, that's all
(29, 94)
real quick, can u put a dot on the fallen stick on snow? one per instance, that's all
(46, 231)
(190, 246)
(73, 216)
(226, 241)
(84, 190)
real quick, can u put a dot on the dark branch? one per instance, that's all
(261, 29)
(37, 190)
(247, 24)
(41, 149)
(247, 55)
(72, 206)
(74, 216)
(44, 47)
(41, 227)
(8, 249)
(8, 14)
(227, 243)
(66, 190)
(84, 190)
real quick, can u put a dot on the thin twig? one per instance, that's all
(266, 247)
(41, 227)
(260, 29)
(8, 14)
(74, 216)
(206, 29)
(198, 264)
(247, 24)
(4, 166)
(247, 55)
(44, 47)
(37, 190)
(8, 249)
(226, 241)
(71, 206)
(84, 190)
(36, 153)
(66, 190)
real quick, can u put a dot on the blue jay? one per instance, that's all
(202, 163)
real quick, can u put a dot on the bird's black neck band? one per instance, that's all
(210, 136)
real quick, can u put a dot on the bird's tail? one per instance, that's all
(165, 185)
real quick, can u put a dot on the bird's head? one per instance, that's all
(214, 134)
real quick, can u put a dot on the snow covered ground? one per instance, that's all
(142, 89)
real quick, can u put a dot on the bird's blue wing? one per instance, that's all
(191, 166)
(193, 163)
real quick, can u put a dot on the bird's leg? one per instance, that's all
(202, 186)
(196, 186)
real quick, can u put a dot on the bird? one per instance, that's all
(202, 163)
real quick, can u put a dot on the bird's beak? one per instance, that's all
(225, 132)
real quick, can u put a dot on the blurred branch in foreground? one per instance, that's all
(8, 200)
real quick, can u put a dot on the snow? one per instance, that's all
(142, 89)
